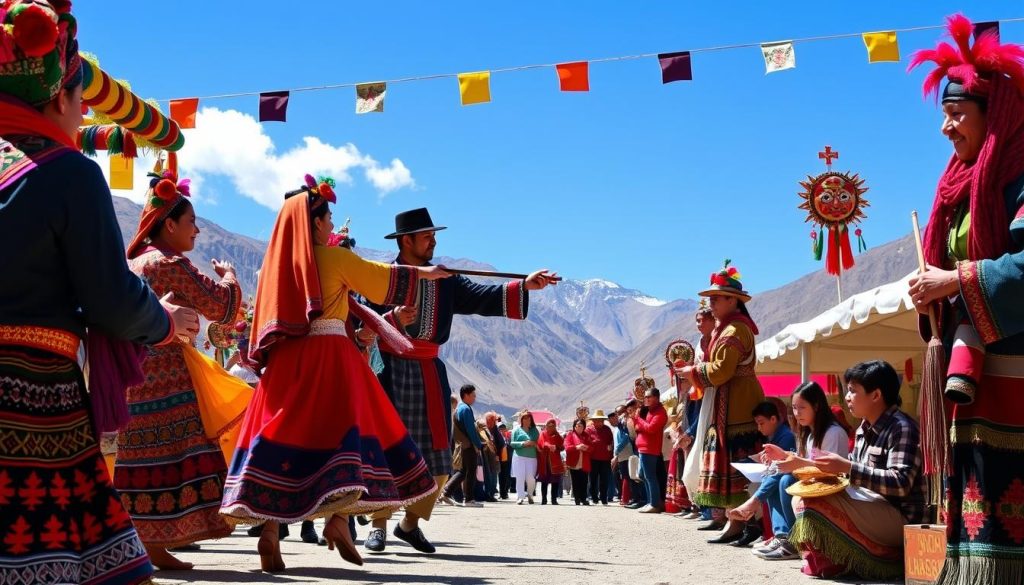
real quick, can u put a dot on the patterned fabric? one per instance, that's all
(169, 473)
(439, 302)
(887, 460)
(63, 522)
(732, 435)
(676, 497)
(985, 524)
(320, 438)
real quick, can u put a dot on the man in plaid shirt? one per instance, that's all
(842, 534)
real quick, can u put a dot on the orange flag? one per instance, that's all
(573, 76)
(183, 112)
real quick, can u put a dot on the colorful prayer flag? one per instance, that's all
(675, 67)
(574, 76)
(183, 112)
(370, 97)
(122, 172)
(980, 27)
(778, 56)
(273, 106)
(475, 88)
(882, 46)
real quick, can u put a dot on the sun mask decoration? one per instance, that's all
(833, 201)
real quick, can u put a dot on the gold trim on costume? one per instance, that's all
(57, 341)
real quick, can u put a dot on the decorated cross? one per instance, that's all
(828, 154)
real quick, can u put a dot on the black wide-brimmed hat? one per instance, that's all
(413, 221)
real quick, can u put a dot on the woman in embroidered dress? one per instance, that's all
(170, 475)
(63, 271)
(320, 438)
(974, 246)
(732, 434)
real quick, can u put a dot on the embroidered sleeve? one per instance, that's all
(725, 357)
(217, 301)
(381, 284)
(510, 300)
(992, 289)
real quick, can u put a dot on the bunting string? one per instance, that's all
(635, 57)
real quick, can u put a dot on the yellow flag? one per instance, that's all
(122, 172)
(882, 46)
(475, 88)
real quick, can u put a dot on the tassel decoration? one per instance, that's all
(129, 149)
(115, 142)
(846, 249)
(819, 243)
(861, 245)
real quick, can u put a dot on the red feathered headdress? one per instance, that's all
(995, 73)
(971, 66)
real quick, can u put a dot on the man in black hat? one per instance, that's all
(417, 383)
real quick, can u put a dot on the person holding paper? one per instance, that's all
(840, 535)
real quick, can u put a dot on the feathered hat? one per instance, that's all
(970, 69)
(726, 282)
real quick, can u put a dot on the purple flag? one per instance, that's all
(675, 67)
(273, 106)
(980, 27)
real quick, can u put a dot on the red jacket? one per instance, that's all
(550, 460)
(601, 442)
(649, 430)
(573, 456)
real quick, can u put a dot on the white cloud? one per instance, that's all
(232, 144)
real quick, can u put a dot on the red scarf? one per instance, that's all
(19, 118)
(982, 182)
(288, 294)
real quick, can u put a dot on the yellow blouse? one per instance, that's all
(342, 270)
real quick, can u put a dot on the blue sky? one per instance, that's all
(645, 184)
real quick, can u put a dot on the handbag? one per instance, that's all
(480, 473)
(634, 467)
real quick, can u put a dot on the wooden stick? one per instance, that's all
(489, 273)
(922, 267)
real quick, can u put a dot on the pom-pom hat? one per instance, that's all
(726, 282)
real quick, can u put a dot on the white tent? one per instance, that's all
(877, 324)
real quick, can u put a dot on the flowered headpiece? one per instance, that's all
(165, 193)
(38, 50)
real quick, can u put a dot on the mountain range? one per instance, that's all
(584, 339)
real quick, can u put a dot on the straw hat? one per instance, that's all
(815, 483)
(599, 415)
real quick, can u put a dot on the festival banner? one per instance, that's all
(573, 76)
(122, 172)
(273, 106)
(183, 112)
(778, 56)
(882, 47)
(675, 67)
(370, 97)
(475, 88)
(981, 27)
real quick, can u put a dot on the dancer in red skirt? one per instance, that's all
(320, 438)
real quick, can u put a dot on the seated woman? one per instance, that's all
(841, 535)
(819, 433)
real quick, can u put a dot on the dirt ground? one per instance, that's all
(503, 543)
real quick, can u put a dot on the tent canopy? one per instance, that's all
(877, 324)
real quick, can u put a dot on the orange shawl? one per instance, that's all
(288, 293)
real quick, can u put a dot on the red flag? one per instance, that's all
(573, 76)
(273, 106)
(183, 112)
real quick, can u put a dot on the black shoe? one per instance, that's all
(712, 526)
(491, 499)
(376, 540)
(586, 502)
(554, 502)
(726, 538)
(362, 520)
(255, 530)
(750, 534)
(415, 538)
(633, 506)
(282, 531)
(308, 533)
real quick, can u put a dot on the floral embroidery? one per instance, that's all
(975, 508)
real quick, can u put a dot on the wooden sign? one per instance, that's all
(924, 552)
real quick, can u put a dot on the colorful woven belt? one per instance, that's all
(57, 341)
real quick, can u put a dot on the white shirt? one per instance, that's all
(835, 441)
